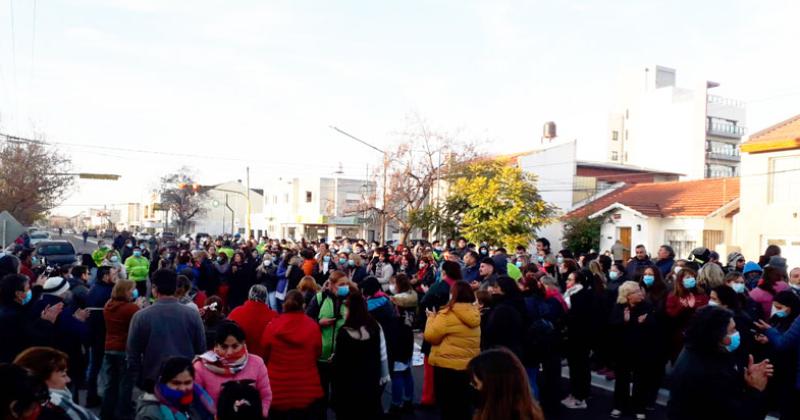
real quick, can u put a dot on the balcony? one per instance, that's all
(723, 157)
(725, 130)
(714, 99)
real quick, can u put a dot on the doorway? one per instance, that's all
(624, 235)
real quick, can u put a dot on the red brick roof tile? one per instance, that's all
(665, 199)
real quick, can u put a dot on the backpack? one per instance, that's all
(542, 336)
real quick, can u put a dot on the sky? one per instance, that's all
(222, 85)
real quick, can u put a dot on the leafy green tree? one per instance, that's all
(496, 203)
(582, 234)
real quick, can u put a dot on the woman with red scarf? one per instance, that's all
(176, 396)
(230, 361)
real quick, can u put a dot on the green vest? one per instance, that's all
(99, 255)
(326, 308)
(138, 268)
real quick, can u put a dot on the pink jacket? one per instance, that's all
(764, 298)
(254, 370)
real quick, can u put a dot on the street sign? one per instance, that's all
(158, 207)
(10, 228)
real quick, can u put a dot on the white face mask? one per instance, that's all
(676, 269)
(392, 288)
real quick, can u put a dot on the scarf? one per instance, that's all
(62, 399)
(571, 291)
(219, 366)
(174, 404)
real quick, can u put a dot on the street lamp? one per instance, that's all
(385, 168)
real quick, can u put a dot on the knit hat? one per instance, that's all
(56, 286)
(733, 257)
(258, 293)
(751, 267)
(777, 262)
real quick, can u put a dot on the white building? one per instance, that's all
(225, 210)
(683, 215)
(317, 207)
(659, 125)
(567, 183)
(770, 213)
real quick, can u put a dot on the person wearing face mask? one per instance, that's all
(705, 382)
(735, 281)
(616, 276)
(117, 382)
(752, 274)
(176, 395)
(138, 268)
(631, 332)
(253, 316)
(20, 326)
(329, 310)
(231, 360)
(325, 265)
(772, 283)
(686, 297)
(655, 294)
(355, 268)
(266, 275)
(99, 294)
(112, 259)
(727, 298)
(99, 254)
(50, 366)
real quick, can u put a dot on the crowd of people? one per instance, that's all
(235, 328)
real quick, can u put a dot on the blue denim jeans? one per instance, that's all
(402, 387)
(117, 387)
(273, 302)
(533, 373)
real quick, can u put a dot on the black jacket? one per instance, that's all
(505, 326)
(267, 276)
(580, 318)
(356, 373)
(99, 294)
(240, 282)
(632, 341)
(20, 328)
(708, 386)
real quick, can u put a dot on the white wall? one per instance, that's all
(555, 167)
(212, 221)
(609, 235)
(760, 221)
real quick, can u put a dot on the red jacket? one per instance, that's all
(253, 317)
(292, 344)
(117, 315)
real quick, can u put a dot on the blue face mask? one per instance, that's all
(689, 282)
(135, 294)
(738, 287)
(34, 261)
(28, 297)
(648, 280)
(326, 258)
(518, 264)
(342, 261)
(559, 260)
(343, 291)
(778, 313)
(735, 341)
(114, 259)
(540, 259)
(137, 253)
(351, 263)
(613, 275)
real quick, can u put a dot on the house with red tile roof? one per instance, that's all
(683, 215)
(770, 210)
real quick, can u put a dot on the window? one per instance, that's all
(615, 135)
(614, 156)
(308, 196)
(784, 179)
(680, 241)
(719, 171)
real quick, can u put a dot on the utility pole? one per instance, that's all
(385, 170)
(249, 226)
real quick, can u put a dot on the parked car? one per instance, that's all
(92, 233)
(108, 234)
(142, 236)
(167, 238)
(56, 253)
(39, 236)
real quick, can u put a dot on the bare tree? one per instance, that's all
(416, 170)
(33, 178)
(182, 197)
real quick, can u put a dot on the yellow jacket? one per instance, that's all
(455, 336)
